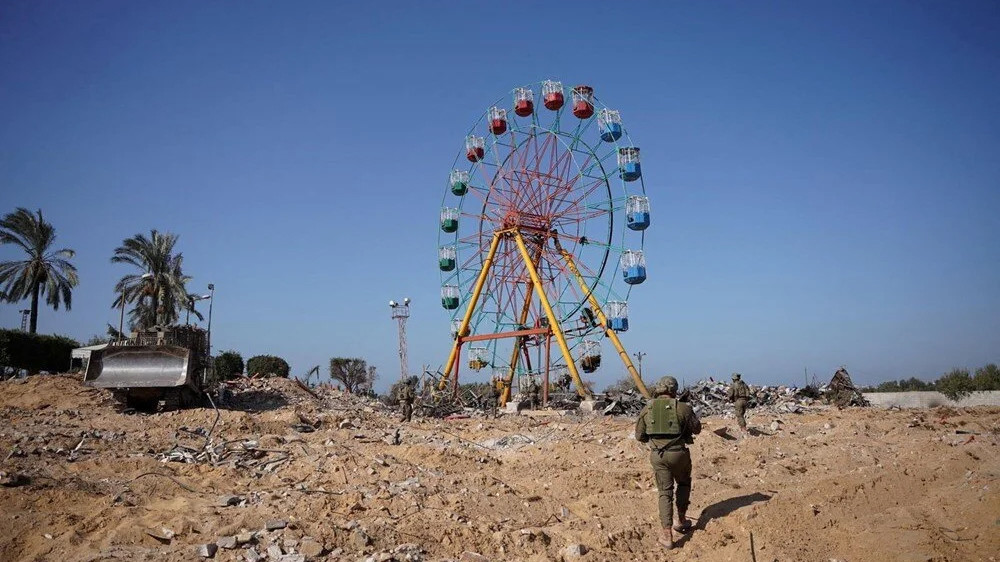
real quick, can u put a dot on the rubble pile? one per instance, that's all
(841, 391)
(710, 398)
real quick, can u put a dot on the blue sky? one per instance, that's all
(824, 176)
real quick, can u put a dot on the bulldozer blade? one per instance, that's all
(140, 367)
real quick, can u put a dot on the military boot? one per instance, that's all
(666, 539)
(681, 523)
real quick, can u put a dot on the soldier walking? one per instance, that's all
(406, 398)
(739, 393)
(669, 426)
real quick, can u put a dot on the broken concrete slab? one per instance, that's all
(207, 550)
(227, 543)
(275, 524)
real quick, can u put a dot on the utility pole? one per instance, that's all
(400, 312)
(639, 355)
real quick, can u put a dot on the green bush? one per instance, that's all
(229, 364)
(35, 352)
(956, 384)
(267, 365)
(987, 378)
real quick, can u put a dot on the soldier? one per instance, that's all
(406, 398)
(739, 393)
(533, 390)
(669, 426)
(495, 386)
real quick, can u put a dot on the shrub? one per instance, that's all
(34, 352)
(267, 365)
(987, 378)
(229, 364)
(956, 384)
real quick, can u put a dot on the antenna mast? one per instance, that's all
(400, 312)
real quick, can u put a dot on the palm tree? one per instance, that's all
(158, 287)
(45, 271)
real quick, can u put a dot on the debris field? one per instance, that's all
(281, 472)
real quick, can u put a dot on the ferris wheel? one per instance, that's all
(541, 238)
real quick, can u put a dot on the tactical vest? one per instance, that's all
(741, 390)
(665, 419)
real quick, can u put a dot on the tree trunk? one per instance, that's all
(34, 308)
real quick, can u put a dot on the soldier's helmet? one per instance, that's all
(736, 376)
(666, 385)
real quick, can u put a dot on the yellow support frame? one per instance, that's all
(480, 281)
(553, 319)
(554, 326)
(612, 335)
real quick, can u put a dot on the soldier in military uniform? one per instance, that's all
(495, 391)
(669, 426)
(739, 393)
(534, 390)
(406, 398)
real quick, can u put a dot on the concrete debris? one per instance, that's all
(161, 534)
(573, 552)
(274, 552)
(207, 550)
(227, 543)
(360, 539)
(310, 547)
(244, 537)
(13, 480)
(226, 501)
(275, 524)
(251, 555)
(841, 391)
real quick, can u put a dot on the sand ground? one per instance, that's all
(853, 485)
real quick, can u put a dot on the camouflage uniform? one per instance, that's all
(739, 393)
(406, 398)
(495, 396)
(669, 426)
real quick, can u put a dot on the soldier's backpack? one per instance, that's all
(665, 420)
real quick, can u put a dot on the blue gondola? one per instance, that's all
(611, 132)
(637, 221)
(631, 171)
(619, 324)
(634, 274)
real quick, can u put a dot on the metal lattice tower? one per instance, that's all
(24, 319)
(400, 312)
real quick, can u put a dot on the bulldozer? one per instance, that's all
(159, 369)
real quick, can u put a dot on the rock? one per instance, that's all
(472, 557)
(161, 534)
(310, 547)
(346, 424)
(13, 480)
(251, 555)
(288, 545)
(360, 539)
(275, 524)
(227, 543)
(573, 552)
(274, 551)
(226, 501)
(775, 425)
(292, 558)
(207, 550)
(244, 537)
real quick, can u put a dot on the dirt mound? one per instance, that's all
(59, 392)
(334, 477)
